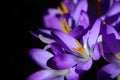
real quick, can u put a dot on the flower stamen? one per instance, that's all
(80, 49)
(63, 9)
(64, 25)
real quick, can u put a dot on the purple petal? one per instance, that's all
(40, 31)
(113, 14)
(72, 75)
(35, 35)
(101, 75)
(59, 78)
(84, 65)
(52, 22)
(65, 40)
(53, 11)
(77, 32)
(62, 61)
(94, 32)
(45, 75)
(40, 56)
(97, 51)
(44, 35)
(46, 31)
(85, 38)
(111, 30)
(84, 19)
(108, 71)
(82, 5)
(45, 39)
(111, 39)
(114, 9)
(56, 48)
(113, 20)
(117, 24)
(111, 58)
(75, 1)
(69, 5)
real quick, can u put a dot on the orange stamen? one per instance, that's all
(63, 9)
(60, 10)
(64, 26)
(80, 49)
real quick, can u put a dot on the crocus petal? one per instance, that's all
(35, 35)
(45, 39)
(84, 65)
(46, 47)
(53, 11)
(62, 61)
(111, 30)
(82, 5)
(84, 19)
(77, 32)
(56, 48)
(111, 39)
(114, 9)
(113, 14)
(40, 56)
(44, 75)
(75, 1)
(45, 31)
(69, 5)
(72, 75)
(59, 78)
(110, 69)
(65, 40)
(101, 75)
(52, 22)
(113, 20)
(44, 35)
(98, 49)
(94, 32)
(111, 58)
(85, 38)
(116, 24)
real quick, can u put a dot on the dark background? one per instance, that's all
(26, 15)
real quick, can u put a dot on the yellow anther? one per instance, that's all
(80, 49)
(60, 10)
(118, 56)
(64, 25)
(63, 9)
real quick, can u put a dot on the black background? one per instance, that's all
(26, 15)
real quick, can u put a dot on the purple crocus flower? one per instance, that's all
(82, 51)
(72, 19)
(40, 57)
(111, 46)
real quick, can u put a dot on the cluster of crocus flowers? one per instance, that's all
(76, 42)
